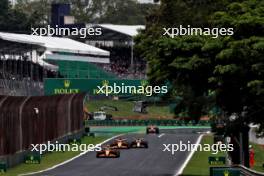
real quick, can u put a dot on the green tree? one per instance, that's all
(12, 19)
(4, 6)
(123, 12)
(238, 74)
(38, 11)
(228, 69)
(111, 11)
(231, 67)
(89, 11)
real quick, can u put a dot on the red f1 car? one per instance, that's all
(120, 144)
(152, 130)
(108, 152)
(139, 143)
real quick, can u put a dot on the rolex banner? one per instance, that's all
(94, 86)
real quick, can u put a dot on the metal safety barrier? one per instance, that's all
(236, 170)
(144, 123)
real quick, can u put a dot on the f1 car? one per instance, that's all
(139, 143)
(120, 144)
(152, 129)
(108, 152)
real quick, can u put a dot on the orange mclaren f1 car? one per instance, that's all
(108, 152)
(139, 143)
(152, 129)
(120, 144)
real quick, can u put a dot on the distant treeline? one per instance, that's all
(26, 14)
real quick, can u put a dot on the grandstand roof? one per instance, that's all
(116, 32)
(55, 44)
(130, 30)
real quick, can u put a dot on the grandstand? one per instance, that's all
(123, 63)
(78, 69)
(18, 75)
(27, 60)
(24, 62)
(119, 40)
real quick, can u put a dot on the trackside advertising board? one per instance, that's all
(32, 158)
(93, 86)
(222, 171)
(3, 167)
(212, 160)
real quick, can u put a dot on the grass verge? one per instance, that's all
(50, 159)
(125, 109)
(198, 165)
(259, 157)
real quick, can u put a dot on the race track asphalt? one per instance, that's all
(134, 162)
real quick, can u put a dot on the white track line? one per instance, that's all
(189, 157)
(161, 135)
(67, 161)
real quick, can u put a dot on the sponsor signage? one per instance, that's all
(216, 160)
(215, 171)
(33, 158)
(75, 141)
(3, 167)
(92, 86)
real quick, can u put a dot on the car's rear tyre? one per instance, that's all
(146, 145)
(97, 155)
(117, 154)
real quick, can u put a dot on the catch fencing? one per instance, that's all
(36, 120)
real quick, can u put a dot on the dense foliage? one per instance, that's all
(228, 69)
(91, 11)
(11, 19)
(27, 13)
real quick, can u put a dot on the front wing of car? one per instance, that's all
(123, 146)
(112, 154)
(142, 145)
